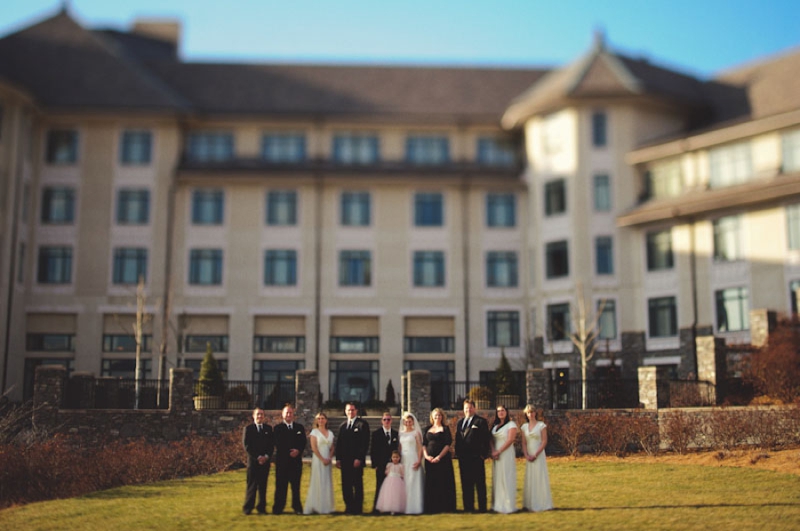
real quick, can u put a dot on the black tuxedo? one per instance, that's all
(380, 451)
(353, 444)
(257, 444)
(472, 448)
(288, 469)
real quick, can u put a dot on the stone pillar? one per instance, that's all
(403, 394)
(48, 394)
(80, 391)
(711, 364)
(633, 350)
(306, 395)
(648, 388)
(537, 387)
(181, 389)
(419, 394)
(762, 322)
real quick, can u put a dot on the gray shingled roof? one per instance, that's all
(65, 66)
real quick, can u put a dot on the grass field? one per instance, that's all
(588, 495)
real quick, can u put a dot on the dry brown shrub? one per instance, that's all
(682, 430)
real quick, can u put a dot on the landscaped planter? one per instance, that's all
(508, 401)
(238, 404)
(207, 402)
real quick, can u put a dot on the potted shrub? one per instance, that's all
(210, 387)
(333, 407)
(237, 397)
(373, 408)
(482, 396)
(504, 380)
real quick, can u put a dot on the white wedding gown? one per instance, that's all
(504, 473)
(536, 494)
(320, 488)
(414, 478)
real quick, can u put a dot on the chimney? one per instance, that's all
(167, 30)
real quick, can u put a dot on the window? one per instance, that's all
(58, 206)
(207, 207)
(62, 146)
(602, 193)
(355, 149)
(557, 259)
(205, 267)
(726, 239)
(664, 179)
(503, 329)
(354, 380)
(555, 197)
(443, 378)
(282, 208)
(501, 269)
(280, 344)
(793, 226)
(428, 269)
(733, 309)
(607, 321)
(136, 147)
(55, 265)
(210, 147)
(427, 150)
(355, 209)
(345, 345)
(198, 343)
(428, 345)
(133, 207)
(125, 368)
(558, 322)
(355, 268)
(496, 152)
(501, 210)
(280, 268)
(663, 317)
(50, 342)
(730, 165)
(126, 343)
(599, 129)
(791, 151)
(428, 208)
(604, 255)
(659, 250)
(129, 265)
(283, 147)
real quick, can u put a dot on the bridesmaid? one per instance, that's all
(440, 483)
(319, 499)
(504, 471)
(411, 451)
(536, 494)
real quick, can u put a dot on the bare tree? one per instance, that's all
(585, 334)
(141, 318)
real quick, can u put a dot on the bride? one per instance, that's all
(411, 452)
(320, 489)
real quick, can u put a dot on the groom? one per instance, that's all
(351, 454)
(472, 448)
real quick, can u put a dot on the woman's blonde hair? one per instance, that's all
(441, 412)
(317, 417)
(537, 413)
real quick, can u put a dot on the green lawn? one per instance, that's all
(588, 495)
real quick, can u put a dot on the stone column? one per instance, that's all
(711, 364)
(306, 397)
(419, 394)
(762, 322)
(403, 394)
(633, 350)
(181, 389)
(537, 387)
(648, 388)
(48, 395)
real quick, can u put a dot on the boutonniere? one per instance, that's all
(299, 432)
(355, 429)
(473, 427)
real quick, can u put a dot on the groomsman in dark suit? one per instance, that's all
(258, 443)
(351, 454)
(472, 448)
(290, 441)
(384, 442)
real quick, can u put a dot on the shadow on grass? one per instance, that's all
(685, 506)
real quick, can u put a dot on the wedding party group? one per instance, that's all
(414, 471)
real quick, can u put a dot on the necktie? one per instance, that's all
(258, 427)
(290, 427)
(388, 436)
(466, 425)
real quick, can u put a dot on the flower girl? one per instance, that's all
(392, 497)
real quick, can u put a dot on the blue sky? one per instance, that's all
(697, 36)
